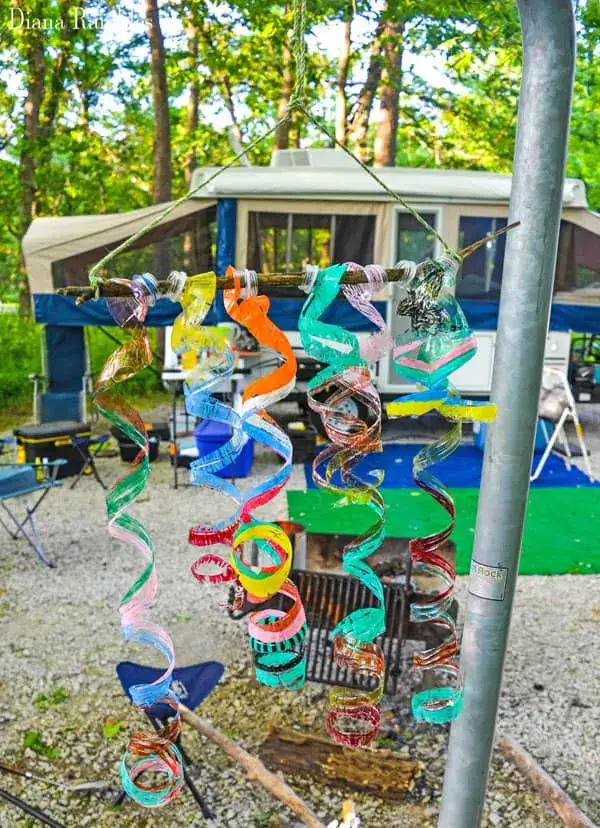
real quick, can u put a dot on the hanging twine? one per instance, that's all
(95, 279)
(297, 99)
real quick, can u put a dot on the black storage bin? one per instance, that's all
(161, 430)
(129, 450)
(304, 443)
(54, 441)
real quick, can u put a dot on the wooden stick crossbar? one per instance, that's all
(266, 281)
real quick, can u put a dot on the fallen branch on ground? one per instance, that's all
(378, 772)
(564, 806)
(255, 769)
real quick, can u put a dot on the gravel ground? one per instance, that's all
(60, 629)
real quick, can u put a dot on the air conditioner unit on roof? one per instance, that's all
(320, 158)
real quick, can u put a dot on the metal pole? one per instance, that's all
(548, 54)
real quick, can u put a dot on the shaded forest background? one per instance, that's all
(115, 110)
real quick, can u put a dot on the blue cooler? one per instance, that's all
(211, 434)
(480, 431)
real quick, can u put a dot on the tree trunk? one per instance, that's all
(189, 263)
(193, 103)
(386, 136)
(341, 99)
(236, 130)
(36, 71)
(55, 87)
(359, 126)
(162, 176)
(282, 134)
(295, 134)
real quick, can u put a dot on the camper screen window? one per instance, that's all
(285, 242)
(481, 273)
(415, 243)
(578, 260)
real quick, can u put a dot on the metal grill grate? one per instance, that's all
(327, 598)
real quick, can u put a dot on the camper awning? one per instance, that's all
(82, 240)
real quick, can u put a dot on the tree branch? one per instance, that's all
(255, 769)
(563, 805)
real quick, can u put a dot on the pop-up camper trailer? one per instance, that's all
(317, 206)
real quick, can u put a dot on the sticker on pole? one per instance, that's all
(488, 581)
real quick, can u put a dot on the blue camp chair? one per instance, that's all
(192, 685)
(20, 480)
(59, 392)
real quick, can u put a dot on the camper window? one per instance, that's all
(481, 273)
(578, 261)
(285, 242)
(414, 242)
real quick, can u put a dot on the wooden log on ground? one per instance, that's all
(558, 800)
(255, 769)
(379, 772)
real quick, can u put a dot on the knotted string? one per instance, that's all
(297, 103)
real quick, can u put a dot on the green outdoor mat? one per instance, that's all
(562, 528)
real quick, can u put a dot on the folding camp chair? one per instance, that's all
(192, 685)
(22, 479)
(88, 448)
(557, 407)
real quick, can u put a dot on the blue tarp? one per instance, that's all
(461, 470)
(483, 316)
(53, 309)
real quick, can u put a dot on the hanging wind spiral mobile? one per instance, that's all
(437, 343)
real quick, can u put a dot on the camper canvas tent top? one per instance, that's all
(60, 251)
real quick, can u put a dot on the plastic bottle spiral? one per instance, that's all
(438, 342)
(354, 716)
(276, 635)
(208, 361)
(146, 751)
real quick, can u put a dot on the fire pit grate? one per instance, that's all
(328, 598)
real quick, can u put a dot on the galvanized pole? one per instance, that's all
(544, 108)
